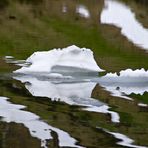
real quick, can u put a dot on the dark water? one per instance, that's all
(37, 112)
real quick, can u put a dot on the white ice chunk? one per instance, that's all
(70, 57)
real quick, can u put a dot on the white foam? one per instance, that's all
(120, 15)
(37, 128)
(71, 56)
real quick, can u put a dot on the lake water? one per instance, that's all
(90, 111)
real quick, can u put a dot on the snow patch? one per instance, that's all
(123, 139)
(120, 15)
(37, 128)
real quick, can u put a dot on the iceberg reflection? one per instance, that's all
(78, 93)
(127, 82)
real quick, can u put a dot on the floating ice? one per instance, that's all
(130, 73)
(12, 60)
(37, 128)
(70, 59)
(71, 93)
(127, 82)
(9, 57)
(120, 15)
(83, 11)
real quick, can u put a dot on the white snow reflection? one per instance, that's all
(120, 15)
(126, 83)
(37, 128)
(71, 93)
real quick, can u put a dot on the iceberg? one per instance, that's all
(67, 60)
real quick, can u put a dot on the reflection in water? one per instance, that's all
(11, 60)
(124, 140)
(83, 11)
(37, 128)
(120, 15)
(127, 83)
(121, 90)
(71, 93)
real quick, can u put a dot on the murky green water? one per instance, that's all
(36, 112)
